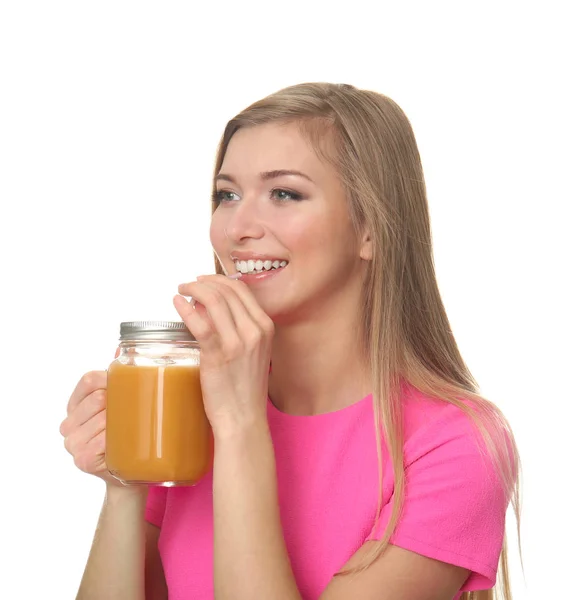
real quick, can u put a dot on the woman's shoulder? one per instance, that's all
(426, 413)
(474, 428)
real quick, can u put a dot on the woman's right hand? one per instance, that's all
(85, 426)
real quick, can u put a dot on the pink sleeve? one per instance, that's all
(455, 506)
(156, 505)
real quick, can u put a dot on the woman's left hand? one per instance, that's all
(235, 336)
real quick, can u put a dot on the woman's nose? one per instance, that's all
(244, 222)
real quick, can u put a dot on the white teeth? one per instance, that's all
(256, 266)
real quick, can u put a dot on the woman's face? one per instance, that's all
(277, 201)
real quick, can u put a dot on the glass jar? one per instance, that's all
(157, 432)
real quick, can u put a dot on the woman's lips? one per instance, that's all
(260, 275)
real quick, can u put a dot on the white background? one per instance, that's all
(110, 114)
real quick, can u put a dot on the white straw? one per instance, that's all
(221, 263)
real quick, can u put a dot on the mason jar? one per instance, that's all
(157, 432)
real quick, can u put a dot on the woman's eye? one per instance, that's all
(225, 196)
(284, 195)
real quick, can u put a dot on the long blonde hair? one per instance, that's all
(404, 326)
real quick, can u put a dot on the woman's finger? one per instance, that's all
(91, 457)
(94, 380)
(79, 438)
(199, 324)
(97, 445)
(93, 404)
(247, 298)
(218, 327)
(245, 323)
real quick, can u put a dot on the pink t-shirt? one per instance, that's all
(328, 491)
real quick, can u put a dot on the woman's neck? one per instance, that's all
(317, 368)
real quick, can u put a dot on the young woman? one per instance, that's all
(354, 456)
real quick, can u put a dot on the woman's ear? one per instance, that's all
(366, 251)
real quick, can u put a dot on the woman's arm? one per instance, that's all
(116, 568)
(397, 574)
(251, 560)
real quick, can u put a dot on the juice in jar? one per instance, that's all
(157, 431)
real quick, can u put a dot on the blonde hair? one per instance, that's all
(404, 327)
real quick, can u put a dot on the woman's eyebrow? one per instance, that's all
(283, 172)
(224, 177)
(266, 175)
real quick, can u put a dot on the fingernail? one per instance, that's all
(235, 276)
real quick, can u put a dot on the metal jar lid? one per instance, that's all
(155, 331)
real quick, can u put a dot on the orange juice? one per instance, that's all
(157, 431)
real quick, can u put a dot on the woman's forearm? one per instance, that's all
(115, 569)
(251, 560)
